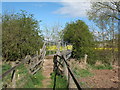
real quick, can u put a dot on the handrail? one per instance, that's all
(69, 70)
(73, 77)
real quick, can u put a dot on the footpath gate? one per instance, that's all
(61, 66)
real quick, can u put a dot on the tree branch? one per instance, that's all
(107, 6)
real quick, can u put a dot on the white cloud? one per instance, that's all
(74, 9)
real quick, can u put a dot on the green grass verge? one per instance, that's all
(82, 72)
(61, 81)
(7, 78)
(101, 67)
(5, 67)
(28, 80)
(33, 81)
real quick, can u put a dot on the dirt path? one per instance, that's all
(102, 79)
(47, 70)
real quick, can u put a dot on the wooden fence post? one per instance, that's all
(85, 60)
(13, 76)
(40, 51)
(37, 55)
(58, 48)
(65, 71)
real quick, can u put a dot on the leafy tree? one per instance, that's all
(21, 35)
(79, 35)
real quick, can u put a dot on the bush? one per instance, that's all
(21, 36)
(78, 34)
(104, 55)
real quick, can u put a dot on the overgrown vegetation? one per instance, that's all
(61, 81)
(21, 35)
(23, 78)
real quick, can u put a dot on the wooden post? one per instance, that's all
(70, 82)
(66, 71)
(58, 48)
(40, 52)
(85, 60)
(50, 47)
(13, 76)
(37, 56)
(65, 46)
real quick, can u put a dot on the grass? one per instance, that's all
(7, 78)
(101, 67)
(33, 81)
(83, 85)
(61, 81)
(5, 67)
(28, 81)
(82, 72)
(37, 79)
(86, 72)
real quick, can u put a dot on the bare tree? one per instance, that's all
(106, 15)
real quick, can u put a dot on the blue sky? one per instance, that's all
(52, 13)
